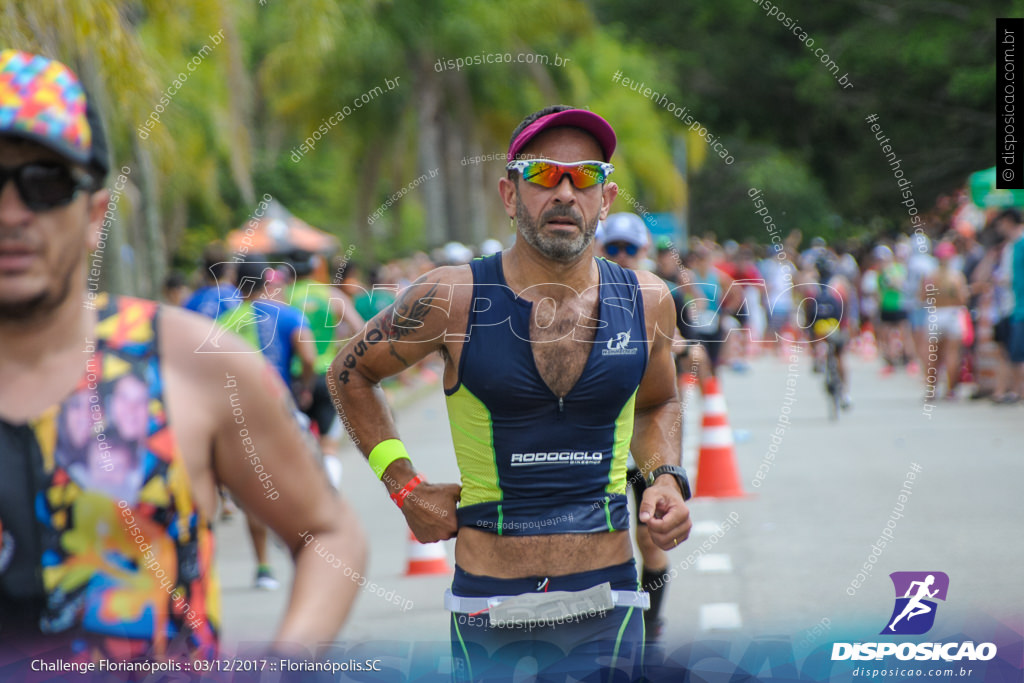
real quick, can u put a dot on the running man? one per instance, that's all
(332, 317)
(557, 365)
(275, 330)
(89, 570)
(915, 607)
(218, 294)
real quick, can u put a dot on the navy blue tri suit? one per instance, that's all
(533, 463)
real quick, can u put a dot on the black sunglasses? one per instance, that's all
(45, 185)
(613, 248)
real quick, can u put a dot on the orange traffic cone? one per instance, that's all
(717, 474)
(426, 558)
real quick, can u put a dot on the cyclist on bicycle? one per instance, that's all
(822, 312)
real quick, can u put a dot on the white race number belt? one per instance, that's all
(553, 605)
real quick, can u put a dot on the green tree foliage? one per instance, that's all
(282, 69)
(925, 68)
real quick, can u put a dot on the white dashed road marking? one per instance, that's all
(714, 564)
(720, 616)
(706, 527)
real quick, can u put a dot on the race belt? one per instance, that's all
(552, 606)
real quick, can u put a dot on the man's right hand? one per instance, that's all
(430, 511)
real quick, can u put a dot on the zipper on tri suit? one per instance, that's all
(561, 407)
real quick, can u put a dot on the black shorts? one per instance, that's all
(893, 316)
(711, 341)
(712, 346)
(321, 411)
(1001, 333)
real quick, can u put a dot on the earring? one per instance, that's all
(512, 223)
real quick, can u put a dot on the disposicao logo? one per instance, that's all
(913, 615)
(916, 592)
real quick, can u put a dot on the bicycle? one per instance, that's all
(828, 331)
(833, 382)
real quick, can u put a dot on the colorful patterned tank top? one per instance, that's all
(100, 540)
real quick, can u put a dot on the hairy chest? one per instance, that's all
(561, 339)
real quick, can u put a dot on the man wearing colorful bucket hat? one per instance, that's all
(106, 546)
(557, 364)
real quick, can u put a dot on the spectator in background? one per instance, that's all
(379, 295)
(811, 256)
(869, 304)
(946, 291)
(990, 283)
(778, 272)
(846, 266)
(920, 264)
(748, 309)
(218, 293)
(893, 326)
(1014, 266)
(175, 291)
(702, 320)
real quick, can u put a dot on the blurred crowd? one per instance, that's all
(949, 310)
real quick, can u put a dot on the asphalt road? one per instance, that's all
(784, 559)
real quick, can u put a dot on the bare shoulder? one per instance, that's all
(436, 299)
(444, 282)
(198, 348)
(654, 289)
(659, 308)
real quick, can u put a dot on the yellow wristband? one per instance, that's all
(385, 453)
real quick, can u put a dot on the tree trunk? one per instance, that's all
(369, 174)
(240, 96)
(428, 111)
(152, 259)
(454, 151)
(471, 175)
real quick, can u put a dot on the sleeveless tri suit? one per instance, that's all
(534, 463)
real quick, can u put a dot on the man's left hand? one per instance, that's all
(665, 514)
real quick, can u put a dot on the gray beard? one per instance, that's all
(556, 248)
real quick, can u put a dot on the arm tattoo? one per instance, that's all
(383, 328)
(414, 312)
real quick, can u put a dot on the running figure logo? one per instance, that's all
(914, 612)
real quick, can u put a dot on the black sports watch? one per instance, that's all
(679, 473)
